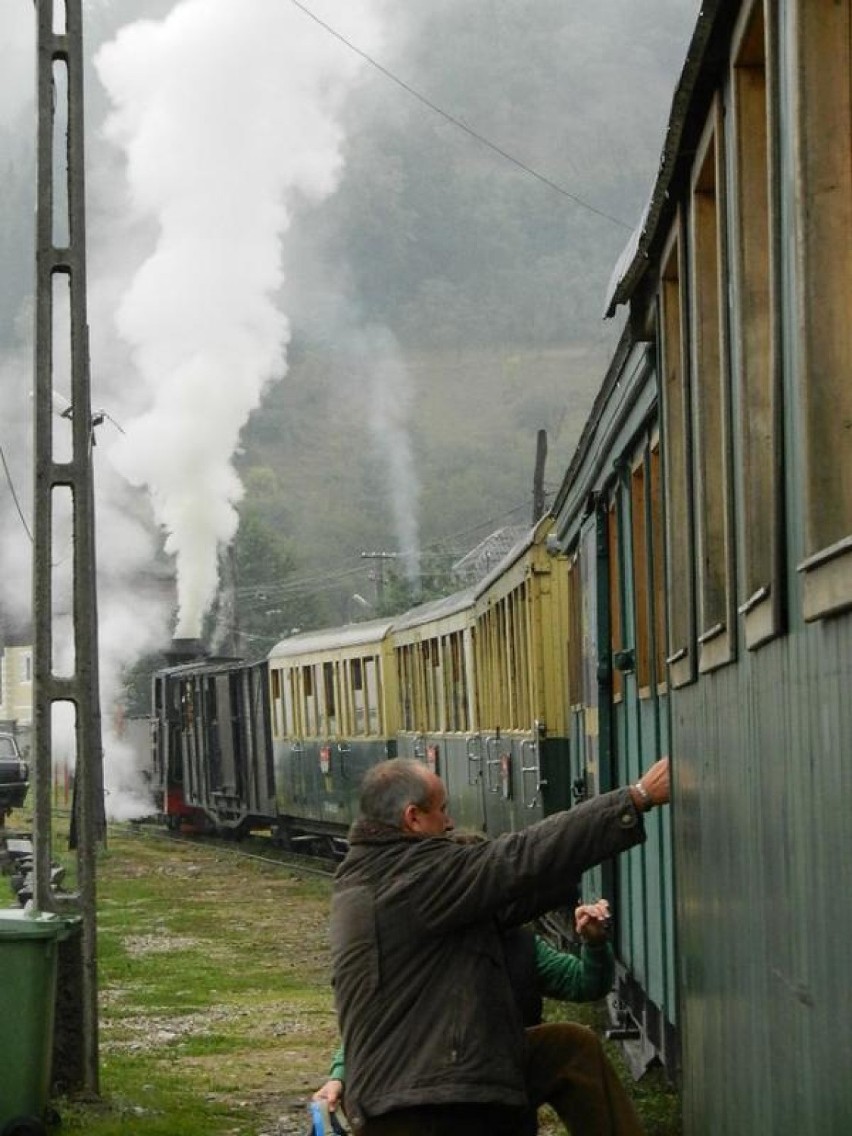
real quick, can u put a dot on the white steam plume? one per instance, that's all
(390, 394)
(224, 112)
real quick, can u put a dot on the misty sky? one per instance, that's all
(229, 187)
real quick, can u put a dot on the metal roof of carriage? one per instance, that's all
(435, 609)
(371, 631)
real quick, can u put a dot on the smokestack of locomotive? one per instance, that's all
(185, 651)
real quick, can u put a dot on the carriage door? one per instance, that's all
(590, 721)
(643, 877)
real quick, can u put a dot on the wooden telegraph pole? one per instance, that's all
(61, 263)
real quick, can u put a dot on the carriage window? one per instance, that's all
(309, 702)
(434, 681)
(760, 529)
(404, 684)
(359, 713)
(329, 678)
(486, 710)
(658, 591)
(711, 392)
(676, 417)
(288, 718)
(374, 715)
(524, 648)
(509, 676)
(825, 240)
(641, 592)
(616, 625)
(423, 686)
(575, 634)
(457, 681)
(279, 720)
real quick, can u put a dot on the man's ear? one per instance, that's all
(410, 819)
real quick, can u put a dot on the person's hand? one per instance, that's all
(592, 921)
(653, 787)
(331, 1092)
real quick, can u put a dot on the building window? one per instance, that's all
(824, 224)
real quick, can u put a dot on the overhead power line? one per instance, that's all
(15, 495)
(457, 122)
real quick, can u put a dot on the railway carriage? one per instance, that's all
(334, 705)
(520, 638)
(482, 693)
(433, 659)
(708, 515)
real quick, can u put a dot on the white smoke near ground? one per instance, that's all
(226, 113)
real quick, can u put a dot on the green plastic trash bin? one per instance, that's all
(28, 958)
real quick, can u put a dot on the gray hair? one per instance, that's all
(389, 787)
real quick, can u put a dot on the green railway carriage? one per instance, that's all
(433, 659)
(610, 522)
(333, 706)
(708, 519)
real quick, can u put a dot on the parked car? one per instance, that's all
(14, 775)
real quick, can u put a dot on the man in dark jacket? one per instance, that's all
(566, 1061)
(434, 1041)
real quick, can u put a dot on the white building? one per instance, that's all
(16, 685)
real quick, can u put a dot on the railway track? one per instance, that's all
(257, 848)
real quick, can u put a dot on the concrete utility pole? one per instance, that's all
(538, 476)
(379, 574)
(61, 266)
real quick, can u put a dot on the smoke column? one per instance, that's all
(390, 394)
(226, 113)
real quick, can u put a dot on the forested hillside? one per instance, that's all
(483, 285)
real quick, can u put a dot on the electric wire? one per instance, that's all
(461, 125)
(15, 495)
(318, 583)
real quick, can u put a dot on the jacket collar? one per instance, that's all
(365, 831)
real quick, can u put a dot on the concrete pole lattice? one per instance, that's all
(60, 67)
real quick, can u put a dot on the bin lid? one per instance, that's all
(17, 923)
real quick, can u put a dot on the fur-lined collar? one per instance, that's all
(365, 831)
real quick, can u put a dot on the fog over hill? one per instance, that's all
(345, 258)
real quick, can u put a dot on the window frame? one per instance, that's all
(711, 399)
(824, 283)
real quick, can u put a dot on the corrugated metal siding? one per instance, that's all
(763, 843)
